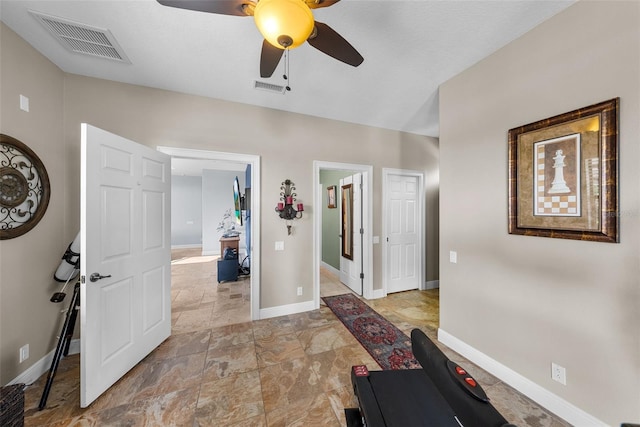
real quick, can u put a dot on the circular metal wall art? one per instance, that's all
(24, 188)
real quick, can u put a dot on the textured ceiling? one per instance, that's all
(409, 49)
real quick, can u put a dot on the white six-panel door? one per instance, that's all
(403, 229)
(125, 238)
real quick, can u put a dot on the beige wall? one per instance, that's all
(27, 263)
(287, 143)
(530, 301)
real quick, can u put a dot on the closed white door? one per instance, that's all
(125, 304)
(403, 240)
(351, 267)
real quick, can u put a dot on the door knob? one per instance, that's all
(96, 276)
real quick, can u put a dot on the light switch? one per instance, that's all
(24, 103)
(280, 246)
(453, 257)
(376, 240)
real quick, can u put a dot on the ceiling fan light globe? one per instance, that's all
(284, 20)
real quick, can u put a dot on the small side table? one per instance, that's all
(229, 242)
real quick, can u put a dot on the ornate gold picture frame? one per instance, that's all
(563, 175)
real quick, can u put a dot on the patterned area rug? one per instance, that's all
(388, 345)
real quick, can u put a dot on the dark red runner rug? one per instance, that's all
(388, 345)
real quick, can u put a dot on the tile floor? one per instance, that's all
(220, 369)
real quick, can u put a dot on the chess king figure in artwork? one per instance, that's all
(559, 185)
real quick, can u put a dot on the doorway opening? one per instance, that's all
(320, 199)
(253, 204)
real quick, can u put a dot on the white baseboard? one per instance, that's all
(36, 370)
(378, 293)
(542, 396)
(210, 253)
(431, 284)
(283, 310)
(193, 246)
(331, 269)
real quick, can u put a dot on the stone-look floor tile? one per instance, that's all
(181, 345)
(279, 348)
(219, 319)
(224, 336)
(257, 421)
(63, 397)
(313, 319)
(272, 327)
(519, 410)
(187, 299)
(174, 318)
(340, 399)
(172, 409)
(230, 400)
(288, 383)
(317, 340)
(231, 360)
(315, 411)
(122, 392)
(333, 368)
(170, 386)
(192, 320)
(169, 375)
(239, 315)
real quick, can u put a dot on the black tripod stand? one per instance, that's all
(62, 349)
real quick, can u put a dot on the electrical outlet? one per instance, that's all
(24, 353)
(558, 373)
(279, 246)
(453, 257)
(299, 290)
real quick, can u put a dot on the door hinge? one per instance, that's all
(82, 279)
(362, 231)
(362, 275)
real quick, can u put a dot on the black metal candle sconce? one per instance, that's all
(285, 208)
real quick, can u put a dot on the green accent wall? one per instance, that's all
(331, 218)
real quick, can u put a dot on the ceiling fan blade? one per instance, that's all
(316, 4)
(269, 59)
(222, 7)
(327, 40)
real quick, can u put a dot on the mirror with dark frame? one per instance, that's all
(347, 221)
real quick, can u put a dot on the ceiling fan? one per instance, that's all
(285, 24)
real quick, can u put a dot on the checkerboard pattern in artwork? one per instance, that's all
(551, 205)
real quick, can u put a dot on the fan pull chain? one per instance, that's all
(286, 68)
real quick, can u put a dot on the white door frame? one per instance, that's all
(254, 161)
(367, 250)
(421, 218)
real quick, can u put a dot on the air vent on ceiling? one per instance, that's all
(269, 87)
(81, 38)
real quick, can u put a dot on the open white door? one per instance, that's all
(403, 205)
(125, 298)
(351, 267)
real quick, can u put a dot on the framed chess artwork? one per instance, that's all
(563, 175)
